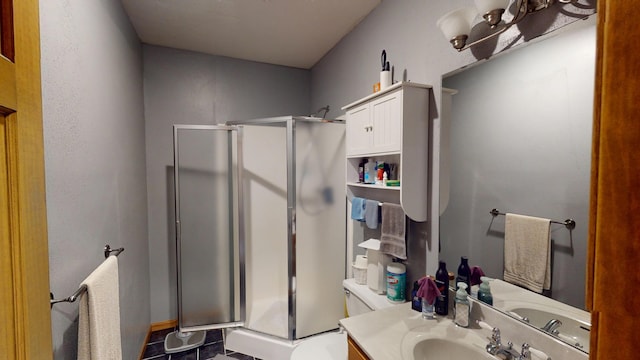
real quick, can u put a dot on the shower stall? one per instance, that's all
(260, 225)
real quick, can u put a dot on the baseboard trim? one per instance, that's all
(168, 324)
(144, 344)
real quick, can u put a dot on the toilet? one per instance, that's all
(359, 299)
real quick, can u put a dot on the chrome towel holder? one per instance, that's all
(108, 251)
(569, 223)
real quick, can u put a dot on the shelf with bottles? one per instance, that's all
(392, 126)
(377, 166)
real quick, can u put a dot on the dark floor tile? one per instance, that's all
(239, 356)
(211, 350)
(159, 335)
(158, 357)
(153, 350)
(185, 355)
(213, 336)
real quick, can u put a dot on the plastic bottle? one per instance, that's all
(415, 300)
(373, 172)
(464, 273)
(366, 168)
(380, 171)
(442, 281)
(396, 280)
(462, 306)
(484, 294)
(361, 171)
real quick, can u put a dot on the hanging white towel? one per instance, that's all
(99, 314)
(527, 252)
(392, 231)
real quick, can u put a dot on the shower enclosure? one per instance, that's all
(260, 224)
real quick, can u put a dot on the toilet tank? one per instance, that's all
(361, 299)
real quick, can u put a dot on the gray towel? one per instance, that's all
(527, 252)
(371, 213)
(393, 230)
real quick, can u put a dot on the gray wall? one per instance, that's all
(521, 142)
(418, 52)
(182, 87)
(94, 160)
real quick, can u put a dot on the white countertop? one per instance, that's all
(391, 333)
(385, 334)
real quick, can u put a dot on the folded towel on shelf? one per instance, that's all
(357, 208)
(393, 230)
(371, 213)
(527, 247)
(99, 314)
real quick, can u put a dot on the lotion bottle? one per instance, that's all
(464, 273)
(462, 306)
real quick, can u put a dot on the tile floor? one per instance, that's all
(213, 345)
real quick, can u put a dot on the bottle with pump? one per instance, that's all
(464, 273)
(484, 294)
(442, 281)
(462, 306)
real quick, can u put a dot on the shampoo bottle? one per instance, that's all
(361, 171)
(366, 169)
(464, 274)
(484, 294)
(462, 306)
(442, 281)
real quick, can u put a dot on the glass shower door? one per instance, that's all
(209, 246)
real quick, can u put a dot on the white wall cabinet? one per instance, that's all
(392, 126)
(374, 127)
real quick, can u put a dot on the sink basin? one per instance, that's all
(438, 348)
(572, 331)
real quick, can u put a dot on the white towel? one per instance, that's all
(527, 252)
(99, 314)
(392, 231)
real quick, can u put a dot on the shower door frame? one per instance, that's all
(291, 200)
(241, 301)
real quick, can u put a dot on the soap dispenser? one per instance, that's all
(462, 306)
(484, 294)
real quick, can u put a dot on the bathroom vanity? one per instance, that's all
(399, 332)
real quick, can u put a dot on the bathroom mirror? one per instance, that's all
(516, 136)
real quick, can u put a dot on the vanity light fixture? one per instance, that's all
(456, 24)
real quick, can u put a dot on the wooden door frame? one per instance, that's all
(27, 252)
(614, 248)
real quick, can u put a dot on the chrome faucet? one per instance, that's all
(508, 352)
(495, 347)
(552, 326)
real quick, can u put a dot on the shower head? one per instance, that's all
(324, 108)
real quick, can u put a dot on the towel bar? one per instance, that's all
(107, 252)
(569, 223)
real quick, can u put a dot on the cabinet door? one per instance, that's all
(358, 131)
(386, 120)
(354, 351)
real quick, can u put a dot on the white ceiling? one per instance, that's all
(293, 33)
